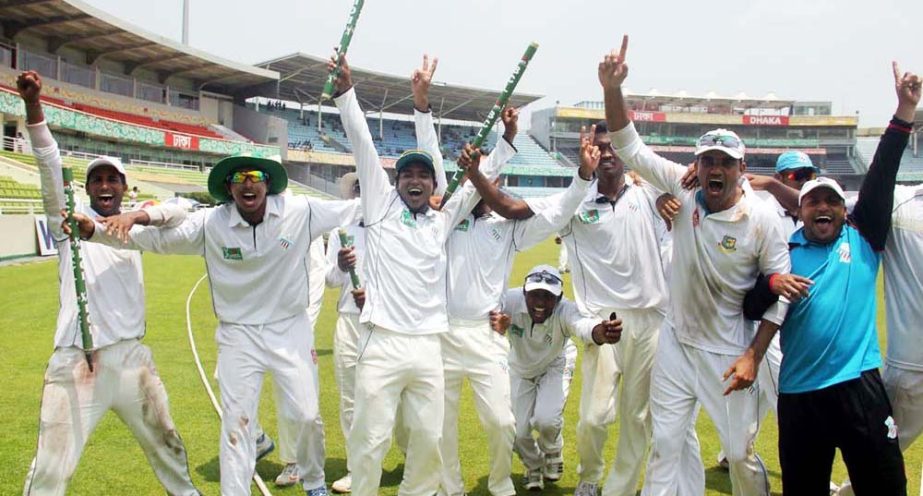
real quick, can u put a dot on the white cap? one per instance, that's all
(723, 140)
(821, 182)
(544, 277)
(111, 161)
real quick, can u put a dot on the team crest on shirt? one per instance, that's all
(728, 244)
(516, 330)
(407, 219)
(892, 427)
(285, 243)
(845, 253)
(589, 217)
(463, 225)
(232, 253)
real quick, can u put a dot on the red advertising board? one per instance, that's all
(648, 116)
(183, 141)
(765, 120)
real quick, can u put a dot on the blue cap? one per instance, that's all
(794, 160)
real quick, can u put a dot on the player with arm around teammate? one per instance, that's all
(124, 378)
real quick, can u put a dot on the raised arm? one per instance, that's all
(188, 238)
(786, 196)
(45, 149)
(427, 138)
(872, 214)
(328, 214)
(373, 180)
(662, 173)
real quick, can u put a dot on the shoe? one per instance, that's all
(317, 491)
(264, 446)
(587, 489)
(343, 484)
(533, 481)
(554, 467)
(723, 461)
(288, 476)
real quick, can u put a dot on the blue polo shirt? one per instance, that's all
(830, 336)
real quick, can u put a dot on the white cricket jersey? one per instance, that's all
(336, 278)
(614, 252)
(533, 347)
(428, 140)
(257, 274)
(716, 257)
(789, 224)
(114, 279)
(481, 250)
(318, 268)
(405, 261)
(903, 264)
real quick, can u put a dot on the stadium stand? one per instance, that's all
(911, 166)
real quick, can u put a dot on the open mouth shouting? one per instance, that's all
(823, 221)
(106, 201)
(715, 185)
(415, 192)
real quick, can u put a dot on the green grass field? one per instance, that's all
(113, 463)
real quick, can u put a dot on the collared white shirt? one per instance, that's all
(257, 274)
(533, 347)
(405, 259)
(789, 224)
(614, 251)
(903, 264)
(717, 256)
(337, 278)
(113, 276)
(318, 263)
(481, 250)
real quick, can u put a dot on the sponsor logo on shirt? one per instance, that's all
(285, 243)
(547, 340)
(516, 330)
(407, 219)
(463, 225)
(845, 253)
(589, 217)
(695, 218)
(728, 244)
(494, 233)
(232, 253)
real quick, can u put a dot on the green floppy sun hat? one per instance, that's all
(217, 178)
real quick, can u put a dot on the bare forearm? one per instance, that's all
(34, 113)
(787, 197)
(764, 334)
(504, 205)
(616, 111)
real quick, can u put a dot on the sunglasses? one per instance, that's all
(544, 276)
(800, 175)
(255, 176)
(720, 140)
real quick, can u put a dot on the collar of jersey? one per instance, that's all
(593, 193)
(742, 207)
(273, 208)
(798, 238)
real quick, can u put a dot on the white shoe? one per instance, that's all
(264, 446)
(289, 476)
(343, 484)
(587, 489)
(554, 467)
(533, 481)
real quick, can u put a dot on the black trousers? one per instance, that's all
(854, 416)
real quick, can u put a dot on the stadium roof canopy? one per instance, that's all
(73, 23)
(302, 80)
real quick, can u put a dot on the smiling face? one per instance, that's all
(249, 195)
(823, 213)
(719, 174)
(106, 187)
(540, 303)
(415, 184)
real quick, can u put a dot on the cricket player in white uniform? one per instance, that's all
(480, 257)
(256, 253)
(541, 324)
(124, 378)
(727, 239)
(400, 357)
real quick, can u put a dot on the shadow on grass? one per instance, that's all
(718, 479)
(553, 488)
(323, 351)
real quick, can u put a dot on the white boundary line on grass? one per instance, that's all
(208, 387)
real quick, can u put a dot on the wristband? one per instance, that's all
(772, 279)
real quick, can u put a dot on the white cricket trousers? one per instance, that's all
(345, 352)
(538, 404)
(905, 390)
(124, 380)
(625, 365)
(397, 370)
(473, 350)
(682, 377)
(245, 353)
(769, 377)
